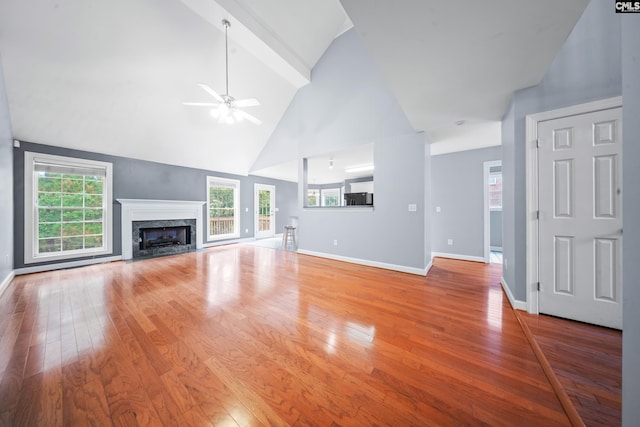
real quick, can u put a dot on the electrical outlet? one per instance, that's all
(246, 230)
(450, 242)
(438, 209)
(335, 242)
(413, 207)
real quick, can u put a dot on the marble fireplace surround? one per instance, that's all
(150, 210)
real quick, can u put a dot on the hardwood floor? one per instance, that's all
(244, 335)
(587, 360)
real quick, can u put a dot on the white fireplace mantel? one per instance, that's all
(150, 210)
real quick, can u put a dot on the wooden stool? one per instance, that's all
(289, 238)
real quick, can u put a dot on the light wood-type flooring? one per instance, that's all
(587, 361)
(245, 335)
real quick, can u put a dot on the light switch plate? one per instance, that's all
(438, 209)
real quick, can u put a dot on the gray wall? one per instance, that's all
(389, 233)
(587, 68)
(138, 179)
(495, 227)
(6, 184)
(458, 189)
(347, 104)
(631, 214)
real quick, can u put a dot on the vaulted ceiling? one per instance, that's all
(110, 77)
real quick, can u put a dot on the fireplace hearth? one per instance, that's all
(163, 237)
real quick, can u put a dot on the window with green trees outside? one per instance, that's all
(224, 206)
(69, 212)
(70, 206)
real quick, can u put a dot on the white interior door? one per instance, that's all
(580, 226)
(265, 212)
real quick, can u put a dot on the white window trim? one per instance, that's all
(324, 191)
(236, 204)
(30, 208)
(306, 200)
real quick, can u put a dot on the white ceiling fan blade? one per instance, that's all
(211, 92)
(201, 104)
(250, 102)
(249, 117)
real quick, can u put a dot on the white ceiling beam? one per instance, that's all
(255, 37)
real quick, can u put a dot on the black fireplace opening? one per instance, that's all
(164, 236)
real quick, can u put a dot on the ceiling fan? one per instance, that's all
(227, 109)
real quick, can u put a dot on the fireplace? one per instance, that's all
(164, 213)
(163, 237)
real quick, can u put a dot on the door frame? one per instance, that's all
(531, 166)
(256, 209)
(487, 210)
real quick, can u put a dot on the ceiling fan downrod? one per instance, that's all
(226, 24)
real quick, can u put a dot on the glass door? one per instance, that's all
(265, 212)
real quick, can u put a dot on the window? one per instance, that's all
(330, 197)
(313, 197)
(495, 190)
(68, 207)
(223, 200)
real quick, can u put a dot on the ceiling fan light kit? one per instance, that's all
(227, 109)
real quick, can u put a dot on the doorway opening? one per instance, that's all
(265, 211)
(493, 211)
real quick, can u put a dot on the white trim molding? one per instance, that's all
(515, 304)
(32, 160)
(7, 281)
(531, 163)
(428, 267)
(70, 264)
(458, 256)
(386, 266)
(150, 210)
(215, 243)
(234, 184)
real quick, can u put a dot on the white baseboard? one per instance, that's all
(7, 280)
(428, 267)
(515, 304)
(228, 242)
(457, 256)
(243, 240)
(386, 266)
(63, 265)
